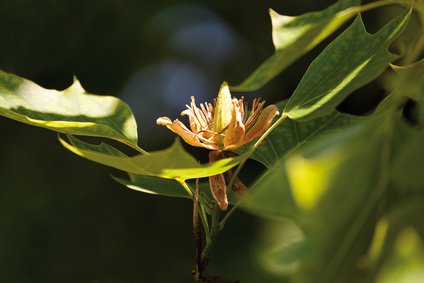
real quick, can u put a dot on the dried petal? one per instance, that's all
(180, 129)
(217, 183)
(236, 129)
(262, 124)
(198, 120)
(239, 188)
(257, 106)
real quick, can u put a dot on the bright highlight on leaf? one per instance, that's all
(71, 111)
(310, 179)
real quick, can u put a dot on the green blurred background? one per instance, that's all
(62, 218)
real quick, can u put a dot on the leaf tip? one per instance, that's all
(76, 86)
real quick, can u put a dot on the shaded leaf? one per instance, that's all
(408, 166)
(271, 194)
(166, 187)
(336, 184)
(154, 185)
(71, 111)
(397, 250)
(329, 187)
(411, 84)
(406, 263)
(280, 246)
(295, 36)
(352, 60)
(290, 135)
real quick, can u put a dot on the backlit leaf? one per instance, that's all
(295, 36)
(352, 60)
(171, 163)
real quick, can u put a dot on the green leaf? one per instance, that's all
(295, 36)
(329, 187)
(352, 60)
(71, 111)
(166, 187)
(271, 194)
(154, 186)
(290, 135)
(406, 263)
(336, 184)
(280, 246)
(408, 165)
(411, 84)
(171, 163)
(397, 249)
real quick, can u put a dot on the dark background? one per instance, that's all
(62, 218)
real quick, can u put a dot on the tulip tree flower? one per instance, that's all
(224, 126)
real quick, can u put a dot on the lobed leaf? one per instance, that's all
(411, 85)
(295, 36)
(71, 111)
(352, 60)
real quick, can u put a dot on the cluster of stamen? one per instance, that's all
(201, 118)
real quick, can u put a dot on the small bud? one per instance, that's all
(223, 111)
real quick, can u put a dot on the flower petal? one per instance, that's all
(197, 118)
(223, 107)
(235, 131)
(217, 183)
(180, 129)
(262, 124)
(219, 190)
(239, 188)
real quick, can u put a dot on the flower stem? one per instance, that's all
(202, 212)
(203, 257)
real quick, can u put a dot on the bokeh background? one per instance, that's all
(62, 218)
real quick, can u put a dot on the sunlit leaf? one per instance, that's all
(171, 163)
(71, 111)
(352, 60)
(294, 36)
